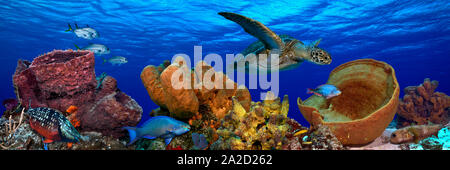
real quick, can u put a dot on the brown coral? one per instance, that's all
(421, 105)
(195, 93)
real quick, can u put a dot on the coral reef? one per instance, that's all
(293, 141)
(421, 105)
(263, 127)
(20, 136)
(366, 106)
(194, 93)
(324, 139)
(60, 79)
(7, 135)
(200, 102)
(24, 138)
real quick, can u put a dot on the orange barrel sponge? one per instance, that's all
(368, 103)
(207, 89)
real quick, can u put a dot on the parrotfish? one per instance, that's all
(86, 33)
(119, 60)
(98, 49)
(414, 133)
(158, 127)
(52, 125)
(327, 90)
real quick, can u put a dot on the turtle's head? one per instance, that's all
(320, 56)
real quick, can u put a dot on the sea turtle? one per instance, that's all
(291, 51)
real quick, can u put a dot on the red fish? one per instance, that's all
(52, 125)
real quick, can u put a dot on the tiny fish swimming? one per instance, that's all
(158, 127)
(116, 60)
(98, 49)
(85, 33)
(327, 90)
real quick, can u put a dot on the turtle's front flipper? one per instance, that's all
(257, 29)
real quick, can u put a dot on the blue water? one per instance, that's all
(413, 36)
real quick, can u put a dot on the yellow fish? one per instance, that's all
(300, 132)
(307, 143)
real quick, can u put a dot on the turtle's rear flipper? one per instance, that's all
(257, 29)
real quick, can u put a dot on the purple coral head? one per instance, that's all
(10, 104)
(200, 141)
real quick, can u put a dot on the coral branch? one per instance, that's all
(10, 129)
(421, 105)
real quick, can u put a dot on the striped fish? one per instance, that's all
(52, 125)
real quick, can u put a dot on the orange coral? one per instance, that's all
(69, 145)
(184, 103)
(197, 116)
(212, 124)
(72, 109)
(73, 118)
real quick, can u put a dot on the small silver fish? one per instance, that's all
(86, 32)
(327, 90)
(119, 60)
(98, 49)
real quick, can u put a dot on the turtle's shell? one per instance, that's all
(257, 47)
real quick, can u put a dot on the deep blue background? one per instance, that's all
(413, 36)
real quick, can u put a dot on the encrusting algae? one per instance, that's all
(263, 127)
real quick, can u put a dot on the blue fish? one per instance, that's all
(158, 127)
(200, 142)
(327, 90)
